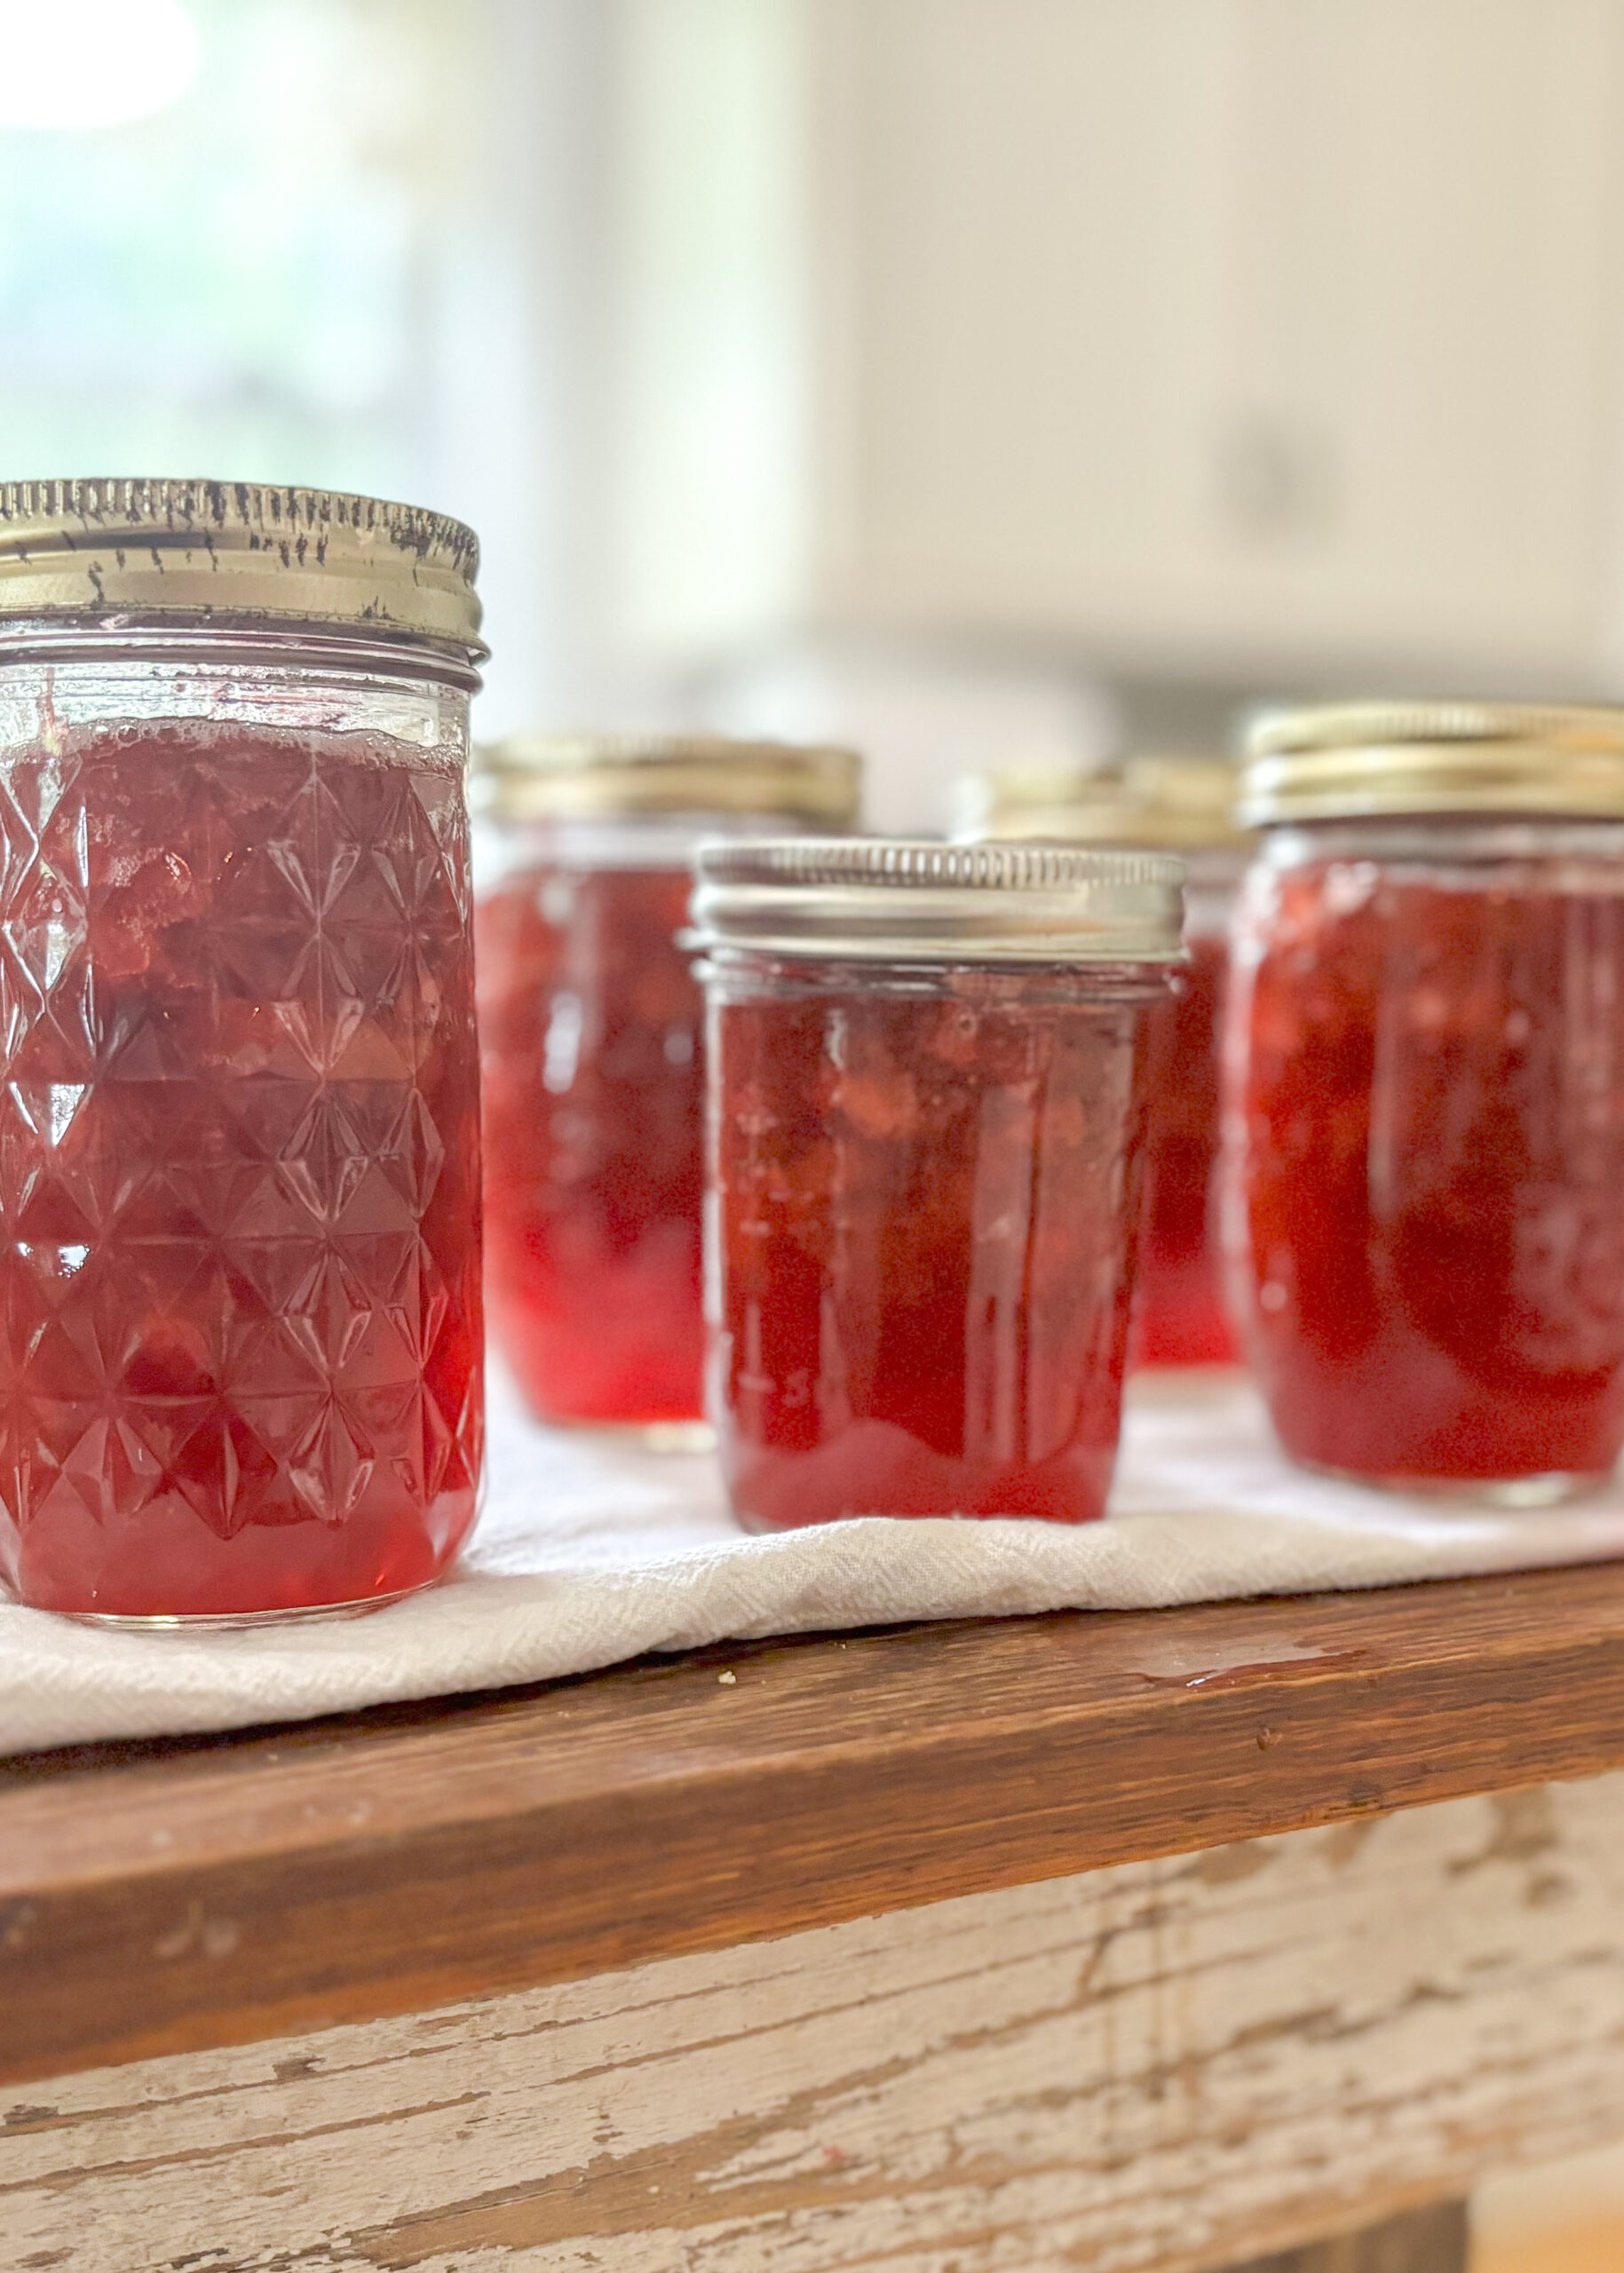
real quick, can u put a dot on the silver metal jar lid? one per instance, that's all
(214, 551)
(888, 899)
(1361, 760)
(597, 776)
(1170, 803)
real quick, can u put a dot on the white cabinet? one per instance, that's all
(1240, 336)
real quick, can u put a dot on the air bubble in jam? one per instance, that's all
(589, 1020)
(239, 1258)
(1427, 1082)
(926, 1199)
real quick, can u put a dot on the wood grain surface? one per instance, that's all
(1178, 2064)
(1433, 2240)
(157, 1898)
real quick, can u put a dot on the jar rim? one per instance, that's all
(922, 900)
(239, 642)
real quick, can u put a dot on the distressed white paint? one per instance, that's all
(1165, 2065)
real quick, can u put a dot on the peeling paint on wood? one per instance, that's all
(337, 1872)
(1168, 2064)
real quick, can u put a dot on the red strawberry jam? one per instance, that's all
(927, 1190)
(594, 1109)
(240, 1327)
(1180, 1315)
(1428, 1091)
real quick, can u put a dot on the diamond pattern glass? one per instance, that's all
(240, 1329)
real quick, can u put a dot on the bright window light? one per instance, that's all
(85, 63)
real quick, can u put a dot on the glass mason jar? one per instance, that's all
(239, 1125)
(927, 1091)
(1184, 805)
(591, 1027)
(1425, 1087)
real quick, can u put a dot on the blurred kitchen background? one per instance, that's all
(984, 379)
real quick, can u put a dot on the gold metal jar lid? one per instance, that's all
(600, 776)
(1183, 803)
(207, 550)
(884, 899)
(1368, 760)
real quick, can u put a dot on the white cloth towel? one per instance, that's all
(591, 1552)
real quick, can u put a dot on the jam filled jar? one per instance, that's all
(1425, 1078)
(927, 1105)
(240, 1326)
(590, 1025)
(1175, 804)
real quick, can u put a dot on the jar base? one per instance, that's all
(1512, 1493)
(235, 1621)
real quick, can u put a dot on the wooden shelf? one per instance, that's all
(159, 1898)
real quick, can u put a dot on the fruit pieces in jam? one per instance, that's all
(1180, 1315)
(925, 1219)
(591, 1027)
(1429, 1069)
(240, 1326)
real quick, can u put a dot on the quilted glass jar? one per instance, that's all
(1426, 1095)
(591, 1031)
(1183, 805)
(927, 1114)
(240, 1321)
